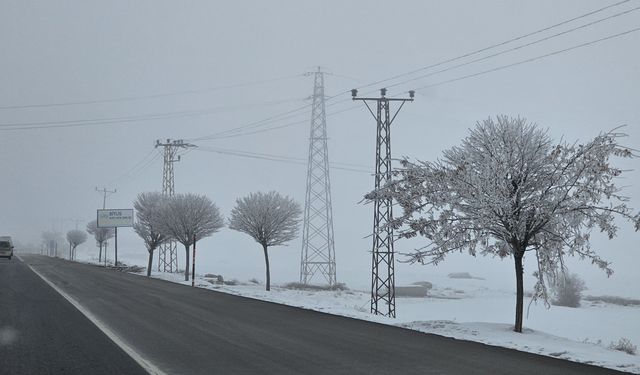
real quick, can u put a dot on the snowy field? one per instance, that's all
(475, 310)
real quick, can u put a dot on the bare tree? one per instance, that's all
(100, 234)
(148, 208)
(75, 237)
(508, 190)
(270, 219)
(187, 218)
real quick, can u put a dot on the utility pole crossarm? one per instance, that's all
(105, 193)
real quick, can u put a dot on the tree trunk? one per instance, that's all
(518, 256)
(186, 267)
(266, 261)
(70, 252)
(193, 263)
(150, 263)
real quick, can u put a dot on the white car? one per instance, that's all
(6, 247)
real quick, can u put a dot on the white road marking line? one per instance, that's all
(145, 364)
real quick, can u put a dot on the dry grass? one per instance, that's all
(624, 345)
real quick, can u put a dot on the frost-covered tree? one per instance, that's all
(100, 234)
(509, 190)
(270, 219)
(189, 217)
(148, 208)
(75, 237)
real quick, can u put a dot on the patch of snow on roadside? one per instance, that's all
(530, 341)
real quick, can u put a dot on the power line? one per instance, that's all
(138, 168)
(271, 119)
(128, 119)
(301, 161)
(515, 48)
(291, 113)
(475, 52)
(466, 76)
(283, 159)
(495, 45)
(255, 124)
(502, 67)
(281, 126)
(143, 97)
(277, 117)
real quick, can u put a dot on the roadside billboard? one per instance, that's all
(113, 218)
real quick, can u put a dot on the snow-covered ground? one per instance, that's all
(475, 310)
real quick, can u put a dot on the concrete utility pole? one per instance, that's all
(382, 274)
(168, 253)
(105, 193)
(318, 252)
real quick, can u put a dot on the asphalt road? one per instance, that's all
(184, 330)
(42, 333)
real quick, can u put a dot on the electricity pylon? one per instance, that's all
(168, 252)
(318, 259)
(382, 264)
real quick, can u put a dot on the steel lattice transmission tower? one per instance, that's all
(168, 252)
(318, 252)
(382, 274)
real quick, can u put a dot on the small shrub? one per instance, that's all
(254, 281)
(624, 345)
(568, 291)
(122, 267)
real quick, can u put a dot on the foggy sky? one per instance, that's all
(70, 51)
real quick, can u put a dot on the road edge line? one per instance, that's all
(145, 364)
